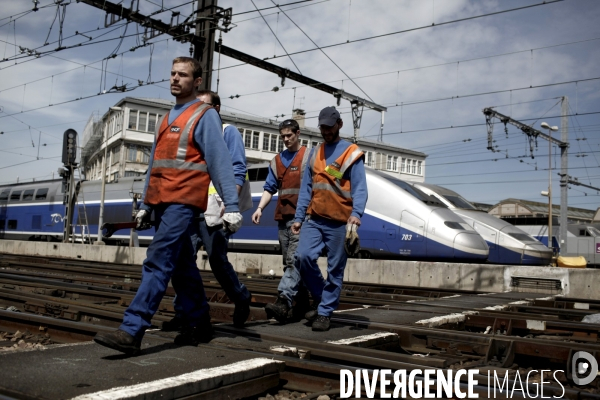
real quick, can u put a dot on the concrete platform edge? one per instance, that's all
(574, 282)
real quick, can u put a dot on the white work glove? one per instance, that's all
(142, 219)
(352, 242)
(232, 221)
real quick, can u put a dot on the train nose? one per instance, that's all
(537, 254)
(469, 245)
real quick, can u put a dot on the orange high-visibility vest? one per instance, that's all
(331, 197)
(179, 173)
(288, 183)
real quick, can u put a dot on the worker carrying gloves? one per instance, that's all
(232, 221)
(352, 242)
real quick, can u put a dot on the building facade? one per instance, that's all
(125, 133)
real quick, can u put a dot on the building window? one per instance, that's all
(414, 167)
(419, 168)
(255, 137)
(132, 173)
(392, 163)
(137, 153)
(116, 154)
(314, 144)
(403, 165)
(132, 119)
(266, 141)
(274, 143)
(118, 123)
(142, 122)
(247, 139)
(304, 142)
(280, 146)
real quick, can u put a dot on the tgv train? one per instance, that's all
(507, 243)
(400, 221)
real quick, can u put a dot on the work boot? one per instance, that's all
(279, 310)
(175, 324)
(321, 324)
(193, 336)
(241, 313)
(119, 340)
(312, 313)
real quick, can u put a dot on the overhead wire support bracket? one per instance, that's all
(528, 130)
(182, 34)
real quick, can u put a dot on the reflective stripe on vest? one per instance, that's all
(179, 173)
(331, 194)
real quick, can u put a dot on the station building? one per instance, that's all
(125, 133)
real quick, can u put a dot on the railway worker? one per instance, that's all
(285, 174)
(211, 233)
(188, 152)
(333, 195)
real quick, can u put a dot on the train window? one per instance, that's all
(523, 237)
(2, 223)
(593, 231)
(583, 232)
(258, 174)
(12, 224)
(4, 195)
(15, 195)
(28, 194)
(41, 194)
(459, 202)
(454, 225)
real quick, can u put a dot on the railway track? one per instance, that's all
(70, 301)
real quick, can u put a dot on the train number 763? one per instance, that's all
(406, 237)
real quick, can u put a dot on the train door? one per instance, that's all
(412, 230)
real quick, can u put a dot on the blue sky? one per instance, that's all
(451, 59)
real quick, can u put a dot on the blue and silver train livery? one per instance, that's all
(508, 244)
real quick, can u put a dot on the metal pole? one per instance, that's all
(564, 177)
(102, 191)
(550, 189)
(205, 28)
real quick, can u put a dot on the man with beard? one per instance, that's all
(188, 152)
(333, 196)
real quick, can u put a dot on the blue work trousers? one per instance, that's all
(318, 234)
(215, 241)
(171, 255)
(290, 281)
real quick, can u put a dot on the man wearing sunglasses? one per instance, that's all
(333, 196)
(285, 174)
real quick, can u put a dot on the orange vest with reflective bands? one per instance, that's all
(179, 173)
(331, 197)
(288, 183)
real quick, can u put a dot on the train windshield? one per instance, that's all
(523, 237)
(594, 231)
(459, 202)
(425, 198)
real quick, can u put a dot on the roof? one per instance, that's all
(542, 208)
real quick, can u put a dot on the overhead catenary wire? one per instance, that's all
(330, 59)
(274, 34)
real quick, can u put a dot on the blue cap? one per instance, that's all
(328, 116)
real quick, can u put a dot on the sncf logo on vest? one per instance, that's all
(175, 129)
